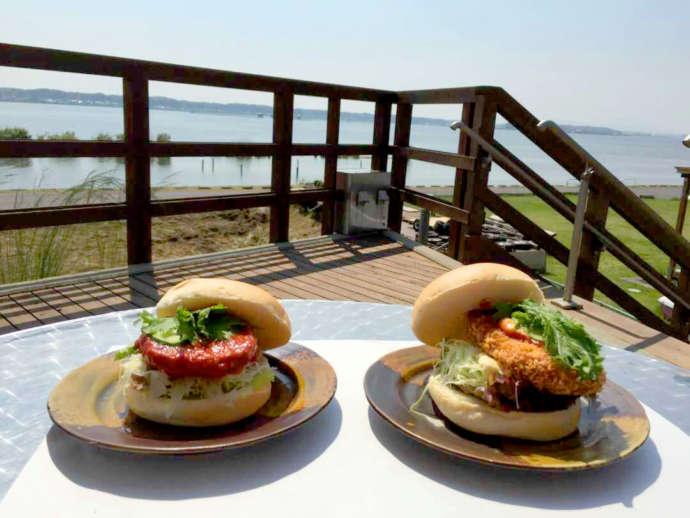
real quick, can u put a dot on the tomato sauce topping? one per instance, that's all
(204, 358)
(510, 327)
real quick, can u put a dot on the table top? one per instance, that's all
(32, 362)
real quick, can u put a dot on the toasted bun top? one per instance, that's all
(261, 310)
(441, 309)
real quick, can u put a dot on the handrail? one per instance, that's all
(84, 63)
(623, 200)
(618, 249)
(560, 252)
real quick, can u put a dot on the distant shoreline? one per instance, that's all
(61, 97)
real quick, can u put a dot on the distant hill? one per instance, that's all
(49, 96)
(589, 130)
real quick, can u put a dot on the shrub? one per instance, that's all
(14, 134)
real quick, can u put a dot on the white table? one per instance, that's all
(345, 462)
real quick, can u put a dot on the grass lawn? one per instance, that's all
(547, 218)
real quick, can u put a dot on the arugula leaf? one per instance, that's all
(124, 353)
(564, 338)
(189, 326)
(503, 310)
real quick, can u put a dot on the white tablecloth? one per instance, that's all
(345, 462)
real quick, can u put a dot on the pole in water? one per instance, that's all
(297, 176)
(241, 171)
(202, 165)
(213, 165)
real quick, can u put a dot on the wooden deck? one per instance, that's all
(385, 269)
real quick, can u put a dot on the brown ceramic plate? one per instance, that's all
(86, 405)
(611, 427)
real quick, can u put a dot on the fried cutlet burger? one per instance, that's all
(509, 364)
(199, 361)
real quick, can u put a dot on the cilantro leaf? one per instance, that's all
(186, 325)
(189, 326)
(564, 338)
(215, 323)
(161, 329)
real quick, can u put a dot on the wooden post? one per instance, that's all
(331, 167)
(482, 117)
(403, 125)
(283, 102)
(591, 247)
(382, 128)
(138, 168)
(682, 208)
(455, 228)
(680, 320)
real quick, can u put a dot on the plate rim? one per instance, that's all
(488, 462)
(287, 350)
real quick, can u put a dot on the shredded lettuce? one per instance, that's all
(564, 338)
(135, 371)
(463, 366)
(189, 326)
(126, 352)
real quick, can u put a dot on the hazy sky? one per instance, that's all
(624, 64)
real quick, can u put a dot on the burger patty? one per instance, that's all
(523, 360)
(202, 359)
(525, 397)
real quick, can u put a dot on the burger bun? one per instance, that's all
(473, 414)
(228, 408)
(440, 310)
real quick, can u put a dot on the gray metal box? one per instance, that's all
(362, 201)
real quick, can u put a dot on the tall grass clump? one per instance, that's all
(36, 253)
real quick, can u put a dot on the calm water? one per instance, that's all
(635, 160)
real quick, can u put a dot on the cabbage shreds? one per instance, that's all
(464, 367)
(134, 370)
(564, 339)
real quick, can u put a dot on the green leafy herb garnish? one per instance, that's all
(124, 353)
(215, 323)
(189, 326)
(564, 338)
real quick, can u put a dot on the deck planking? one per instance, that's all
(377, 268)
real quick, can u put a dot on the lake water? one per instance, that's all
(635, 160)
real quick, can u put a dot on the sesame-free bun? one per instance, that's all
(473, 414)
(214, 411)
(440, 310)
(261, 310)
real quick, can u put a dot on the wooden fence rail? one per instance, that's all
(137, 149)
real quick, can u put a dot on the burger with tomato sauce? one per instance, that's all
(509, 364)
(199, 361)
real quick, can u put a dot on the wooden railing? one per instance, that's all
(477, 107)
(472, 196)
(137, 149)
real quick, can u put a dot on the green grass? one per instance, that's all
(35, 253)
(547, 218)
